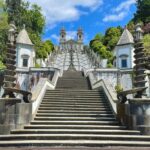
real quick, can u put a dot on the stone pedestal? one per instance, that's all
(14, 114)
(123, 114)
(140, 112)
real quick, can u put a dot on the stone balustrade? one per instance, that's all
(135, 114)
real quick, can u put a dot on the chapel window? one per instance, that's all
(124, 61)
(25, 60)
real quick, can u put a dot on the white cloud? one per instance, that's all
(55, 37)
(120, 12)
(115, 17)
(57, 11)
(71, 35)
(124, 5)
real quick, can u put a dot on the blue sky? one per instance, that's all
(94, 16)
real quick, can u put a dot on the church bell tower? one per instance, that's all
(62, 35)
(80, 36)
(62, 38)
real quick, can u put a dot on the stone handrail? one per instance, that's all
(38, 93)
(108, 89)
(40, 89)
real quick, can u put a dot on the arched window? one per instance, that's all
(124, 61)
(25, 60)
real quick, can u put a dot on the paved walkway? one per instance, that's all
(74, 148)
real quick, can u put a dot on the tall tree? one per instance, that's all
(97, 46)
(143, 11)
(13, 9)
(112, 36)
(146, 41)
(3, 32)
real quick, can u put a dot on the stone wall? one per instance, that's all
(1, 81)
(28, 79)
(115, 76)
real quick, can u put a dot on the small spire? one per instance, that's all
(12, 33)
(24, 26)
(138, 32)
(80, 29)
(63, 28)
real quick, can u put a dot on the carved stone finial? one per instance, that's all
(12, 33)
(138, 32)
(24, 26)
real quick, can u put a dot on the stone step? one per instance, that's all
(74, 91)
(75, 118)
(75, 131)
(77, 111)
(91, 137)
(75, 103)
(74, 94)
(70, 87)
(75, 84)
(75, 99)
(102, 97)
(98, 98)
(72, 84)
(72, 108)
(79, 81)
(73, 115)
(85, 143)
(73, 127)
(74, 122)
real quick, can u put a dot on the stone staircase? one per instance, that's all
(74, 115)
(73, 80)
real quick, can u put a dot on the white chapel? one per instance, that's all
(124, 51)
(25, 51)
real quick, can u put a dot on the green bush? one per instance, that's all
(109, 65)
(118, 88)
(2, 66)
(37, 65)
(146, 41)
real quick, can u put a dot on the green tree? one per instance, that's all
(143, 11)
(14, 9)
(146, 41)
(131, 26)
(48, 46)
(99, 37)
(111, 37)
(3, 32)
(21, 13)
(97, 46)
(96, 42)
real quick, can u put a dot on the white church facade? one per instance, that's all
(124, 51)
(71, 44)
(25, 51)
